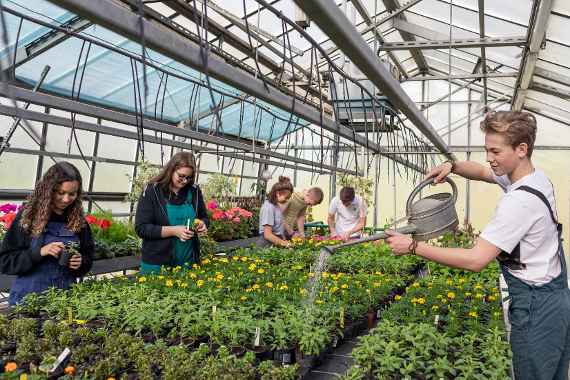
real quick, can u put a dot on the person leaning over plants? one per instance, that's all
(347, 214)
(295, 211)
(525, 236)
(271, 229)
(37, 246)
(170, 215)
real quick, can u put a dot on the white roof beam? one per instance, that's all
(536, 35)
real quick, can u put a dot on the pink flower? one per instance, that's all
(236, 219)
(8, 207)
(212, 205)
(245, 214)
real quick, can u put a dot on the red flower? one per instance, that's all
(90, 219)
(104, 224)
(236, 219)
(7, 219)
(218, 214)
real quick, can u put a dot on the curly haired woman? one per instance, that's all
(51, 219)
(169, 212)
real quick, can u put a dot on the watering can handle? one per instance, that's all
(423, 184)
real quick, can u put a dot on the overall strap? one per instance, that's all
(541, 196)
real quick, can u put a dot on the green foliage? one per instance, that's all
(145, 172)
(219, 186)
(363, 186)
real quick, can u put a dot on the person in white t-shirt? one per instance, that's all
(525, 236)
(347, 214)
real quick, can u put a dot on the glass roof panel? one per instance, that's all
(106, 77)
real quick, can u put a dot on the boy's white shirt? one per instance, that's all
(522, 217)
(346, 218)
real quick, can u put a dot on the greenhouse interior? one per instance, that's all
(284, 189)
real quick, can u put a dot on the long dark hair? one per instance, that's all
(38, 207)
(283, 184)
(179, 160)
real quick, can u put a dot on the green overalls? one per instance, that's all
(184, 252)
(539, 317)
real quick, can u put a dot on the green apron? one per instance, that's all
(184, 252)
(540, 319)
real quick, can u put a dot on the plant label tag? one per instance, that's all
(341, 318)
(60, 359)
(257, 342)
(214, 310)
(378, 312)
(286, 358)
(436, 320)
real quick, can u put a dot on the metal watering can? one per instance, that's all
(428, 217)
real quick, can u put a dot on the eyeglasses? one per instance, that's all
(184, 178)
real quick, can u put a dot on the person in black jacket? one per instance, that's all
(170, 214)
(50, 220)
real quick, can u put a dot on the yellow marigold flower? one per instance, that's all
(269, 284)
(142, 279)
(333, 289)
(255, 286)
(461, 280)
(416, 285)
(325, 275)
(200, 283)
(473, 314)
(249, 290)
(219, 277)
(449, 281)
(397, 297)
(435, 307)
(378, 273)
(283, 287)
(184, 285)
(80, 321)
(252, 267)
(243, 258)
(195, 266)
(478, 286)
(319, 301)
(450, 295)
(492, 298)
(344, 286)
(235, 258)
(192, 275)
(261, 271)
(169, 283)
(479, 295)
(421, 300)
(161, 277)
(467, 294)
(376, 284)
(243, 298)
(303, 291)
(205, 261)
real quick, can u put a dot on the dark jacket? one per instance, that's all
(151, 216)
(17, 257)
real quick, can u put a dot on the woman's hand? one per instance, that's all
(183, 233)
(75, 261)
(440, 172)
(201, 227)
(400, 244)
(52, 249)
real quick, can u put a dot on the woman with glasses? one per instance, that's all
(170, 215)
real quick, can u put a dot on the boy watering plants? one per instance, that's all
(524, 236)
